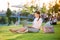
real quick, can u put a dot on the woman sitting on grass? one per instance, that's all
(34, 28)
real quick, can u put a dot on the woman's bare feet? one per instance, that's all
(13, 30)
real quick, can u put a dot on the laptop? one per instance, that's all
(25, 23)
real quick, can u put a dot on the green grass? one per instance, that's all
(5, 34)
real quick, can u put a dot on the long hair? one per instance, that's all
(38, 14)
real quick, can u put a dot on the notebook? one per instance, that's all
(25, 23)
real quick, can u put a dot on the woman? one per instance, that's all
(35, 27)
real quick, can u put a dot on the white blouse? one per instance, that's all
(37, 23)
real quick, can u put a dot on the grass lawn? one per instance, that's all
(5, 34)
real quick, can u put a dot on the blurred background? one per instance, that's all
(15, 11)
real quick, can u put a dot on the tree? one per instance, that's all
(31, 8)
(8, 14)
(56, 8)
(43, 9)
(24, 13)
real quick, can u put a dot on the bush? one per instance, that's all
(24, 13)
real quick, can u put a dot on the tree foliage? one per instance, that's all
(56, 8)
(8, 13)
(43, 9)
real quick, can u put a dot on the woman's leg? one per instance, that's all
(21, 29)
(13, 30)
(18, 30)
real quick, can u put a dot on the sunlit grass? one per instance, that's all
(5, 34)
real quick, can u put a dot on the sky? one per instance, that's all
(4, 5)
